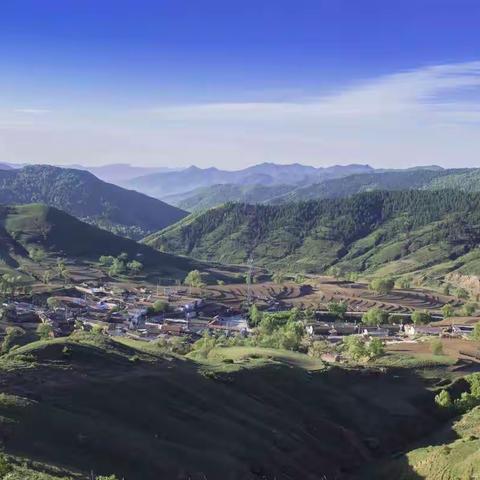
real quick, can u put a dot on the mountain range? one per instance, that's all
(160, 185)
(83, 195)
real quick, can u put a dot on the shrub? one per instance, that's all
(44, 331)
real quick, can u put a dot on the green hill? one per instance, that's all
(387, 232)
(81, 194)
(27, 228)
(89, 403)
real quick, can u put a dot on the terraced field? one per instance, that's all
(318, 292)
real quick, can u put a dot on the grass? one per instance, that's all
(416, 361)
(454, 460)
(90, 402)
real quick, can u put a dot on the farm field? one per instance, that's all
(318, 291)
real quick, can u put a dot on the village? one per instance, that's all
(149, 313)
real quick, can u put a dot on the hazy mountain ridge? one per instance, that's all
(83, 195)
(162, 184)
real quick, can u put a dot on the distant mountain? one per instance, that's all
(29, 227)
(161, 185)
(409, 179)
(83, 195)
(204, 198)
(392, 233)
(119, 173)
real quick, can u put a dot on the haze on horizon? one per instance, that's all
(231, 84)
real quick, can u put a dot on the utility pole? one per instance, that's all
(249, 280)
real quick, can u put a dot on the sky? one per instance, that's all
(232, 83)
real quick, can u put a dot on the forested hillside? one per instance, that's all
(391, 232)
(86, 197)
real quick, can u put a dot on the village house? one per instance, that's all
(411, 330)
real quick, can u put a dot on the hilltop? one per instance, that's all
(119, 406)
(81, 194)
(377, 232)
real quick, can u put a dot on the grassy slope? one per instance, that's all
(83, 195)
(452, 460)
(92, 403)
(28, 227)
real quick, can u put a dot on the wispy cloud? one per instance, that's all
(423, 116)
(32, 111)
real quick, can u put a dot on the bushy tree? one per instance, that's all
(374, 316)
(254, 315)
(160, 306)
(134, 267)
(382, 285)
(106, 260)
(12, 334)
(193, 279)
(44, 331)
(375, 348)
(421, 318)
(444, 399)
(354, 347)
(461, 293)
(337, 308)
(53, 303)
(318, 348)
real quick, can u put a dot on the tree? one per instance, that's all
(47, 275)
(446, 289)
(382, 286)
(447, 311)
(421, 318)
(106, 260)
(354, 347)
(193, 279)
(318, 348)
(11, 335)
(44, 331)
(134, 267)
(375, 348)
(337, 308)
(62, 270)
(117, 267)
(469, 309)
(444, 399)
(254, 315)
(374, 316)
(160, 306)
(37, 255)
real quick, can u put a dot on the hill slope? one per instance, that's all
(97, 404)
(402, 231)
(26, 228)
(81, 194)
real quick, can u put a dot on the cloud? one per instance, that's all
(423, 116)
(32, 111)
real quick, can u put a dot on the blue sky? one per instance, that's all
(232, 83)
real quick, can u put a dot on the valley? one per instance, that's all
(305, 340)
